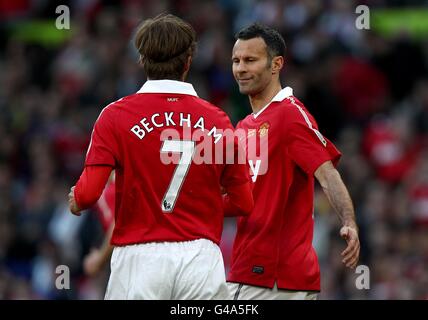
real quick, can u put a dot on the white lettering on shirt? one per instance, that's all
(168, 119)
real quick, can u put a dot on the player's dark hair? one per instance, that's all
(274, 41)
(165, 44)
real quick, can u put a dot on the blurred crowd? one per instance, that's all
(368, 92)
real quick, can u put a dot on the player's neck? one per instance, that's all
(261, 99)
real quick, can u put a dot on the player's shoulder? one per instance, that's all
(212, 110)
(121, 102)
(114, 107)
(290, 103)
(245, 120)
(110, 113)
(292, 109)
(207, 105)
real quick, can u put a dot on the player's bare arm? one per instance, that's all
(339, 198)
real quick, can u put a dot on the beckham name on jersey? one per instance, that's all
(168, 119)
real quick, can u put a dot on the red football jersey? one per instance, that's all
(274, 243)
(156, 200)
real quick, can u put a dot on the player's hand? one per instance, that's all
(72, 203)
(352, 252)
(92, 264)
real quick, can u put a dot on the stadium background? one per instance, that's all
(368, 89)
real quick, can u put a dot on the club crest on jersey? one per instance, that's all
(264, 129)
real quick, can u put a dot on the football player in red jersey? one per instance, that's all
(168, 216)
(273, 257)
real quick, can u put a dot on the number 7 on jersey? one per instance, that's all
(186, 148)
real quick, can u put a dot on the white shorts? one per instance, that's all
(167, 270)
(241, 291)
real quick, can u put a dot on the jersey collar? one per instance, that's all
(168, 86)
(284, 93)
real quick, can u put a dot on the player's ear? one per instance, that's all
(187, 67)
(188, 63)
(277, 64)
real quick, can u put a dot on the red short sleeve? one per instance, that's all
(308, 148)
